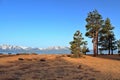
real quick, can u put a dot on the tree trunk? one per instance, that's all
(97, 42)
(111, 51)
(109, 48)
(95, 47)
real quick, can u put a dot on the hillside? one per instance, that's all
(59, 67)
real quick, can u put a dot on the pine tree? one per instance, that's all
(76, 44)
(106, 37)
(113, 43)
(118, 45)
(94, 24)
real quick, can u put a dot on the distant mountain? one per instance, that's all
(20, 49)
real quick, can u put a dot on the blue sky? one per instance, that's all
(44, 23)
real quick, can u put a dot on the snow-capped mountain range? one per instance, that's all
(21, 49)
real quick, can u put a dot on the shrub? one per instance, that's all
(42, 60)
(21, 59)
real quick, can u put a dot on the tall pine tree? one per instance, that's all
(94, 24)
(106, 37)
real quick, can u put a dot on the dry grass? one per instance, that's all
(59, 67)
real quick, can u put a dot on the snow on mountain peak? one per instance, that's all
(5, 46)
(21, 49)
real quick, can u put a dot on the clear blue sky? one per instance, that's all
(43, 23)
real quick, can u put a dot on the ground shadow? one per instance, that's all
(106, 56)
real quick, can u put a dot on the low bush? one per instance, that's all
(21, 59)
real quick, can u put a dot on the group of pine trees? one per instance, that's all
(101, 32)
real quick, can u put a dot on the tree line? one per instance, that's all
(101, 32)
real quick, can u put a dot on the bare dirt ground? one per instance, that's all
(59, 67)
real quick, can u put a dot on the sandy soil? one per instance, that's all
(59, 67)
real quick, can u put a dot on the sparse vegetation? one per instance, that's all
(47, 66)
(39, 31)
